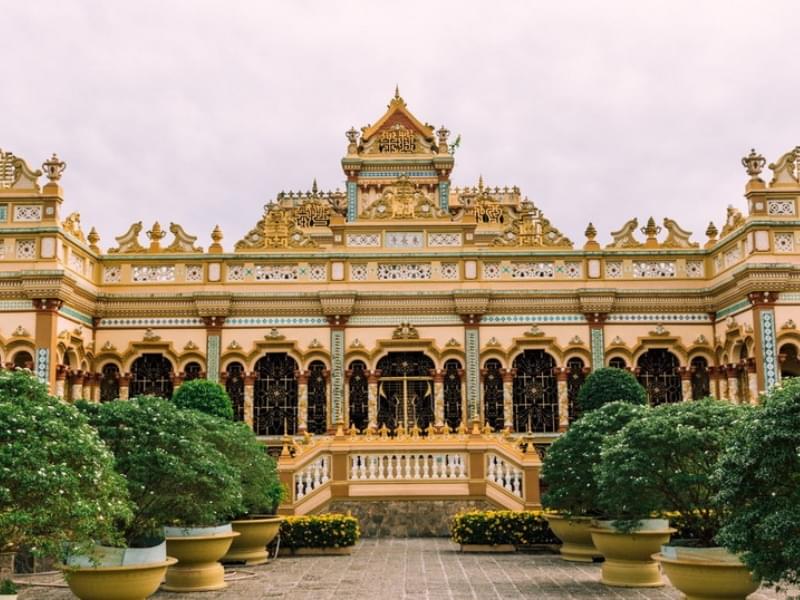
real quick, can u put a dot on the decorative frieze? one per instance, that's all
(171, 322)
(153, 274)
(532, 270)
(404, 239)
(780, 208)
(449, 270)
(26, 249)
(404, 271)
(491, 270)
(769, 349)
(438, 239)
(573, 270)
(318, 272)
(358, 272)
(659, 318)
(383, 320)
(194, 272)
(784, 242)
(26, 213)
(274, 321)
(613, 269)
(363, 240)
(236, 272)
(532, 319)
(695, 269)
(276, 272)
(653, 269)
(112, 274)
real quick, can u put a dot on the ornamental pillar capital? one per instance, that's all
(47, 304)
(214, 322)
(338, 321)
(762, 299)
(595, 319)
(471, 319)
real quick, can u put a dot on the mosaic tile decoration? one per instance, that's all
(769, 348)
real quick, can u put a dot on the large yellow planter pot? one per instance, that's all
(254, 536)
(131, 582)
(577, 545)
(629, 561)
(700, 578)
(198, 569)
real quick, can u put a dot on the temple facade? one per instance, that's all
(401, 303)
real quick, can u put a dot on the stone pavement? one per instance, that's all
(414, 569)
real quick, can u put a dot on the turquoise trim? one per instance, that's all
(352, 201)
(15, 305)
(151, 322)
(274, 321)
(42, 364)
(212, 358)
(444, 195)
(732, 308)
(337, 375)
(394, 320)
(659, 318)
(472, 359)
(396, 174)
(598, 348)
(529, 319)
(77, 315)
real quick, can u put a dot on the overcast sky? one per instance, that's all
(200, 112)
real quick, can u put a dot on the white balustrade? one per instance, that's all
(407, 466)
(312, 476)
(503, 473)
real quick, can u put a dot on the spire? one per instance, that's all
(396, 92)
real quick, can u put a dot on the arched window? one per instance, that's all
(493, 412)
(23, 360)
(535, 392)
(275, 395)
(452, 394)
(151, 374)
(192, 370)
(790, 364)
(234, 385)
(575, 378)
(317, 398)
(109, 382)
(658, 374)
(617, 363)
(405, 390)
(701, 382)
(358, 398)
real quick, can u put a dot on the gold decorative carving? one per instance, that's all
(274, 335)
(155, 235)
(190, 345)
(234, 345)
(151, 336)
(128, 242)
(534, 331)
(216, 238)
(72, 225)
(277, 229)
(403, 200)
(315, 343)
(16, 174)
(183, 242)
(20, 331)
(754, 163)
(660, 330)
(312, 213)
(356, 343)
(397, 140)
(784, 170)
(531, 229)
(733, 220)
(108, 347)
(93, 238)
(676, 236)
(405, 332)
(617, 341)
(748, 328)
(54, 167)
(576, 341)
(789, 324)
(453, 343)
(492, 342)
(623, 237)
(701, 340)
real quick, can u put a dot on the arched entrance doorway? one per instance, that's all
(405, 390)
(151, 375)
(658, 374)
(535, 395)
(275, 395)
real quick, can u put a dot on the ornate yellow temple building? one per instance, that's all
(402, 302)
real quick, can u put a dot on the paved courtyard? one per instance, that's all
(414, 569)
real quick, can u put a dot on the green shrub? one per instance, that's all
(206, 396)
(494, 527)
(8, 587)
(759, 482)
(58, 487)
(262, 490)
(319, 531)
(665, 462)
(609, 385)
(175, 475)
(569, 465)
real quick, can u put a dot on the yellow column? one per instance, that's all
(302, 400)
(438, 397)
(686, 383)
(733, 383)
(45, 339)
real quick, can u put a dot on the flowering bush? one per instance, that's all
(58, 487)
(759, 481)
(174, 475)
(206, 396)
(609, 385)
(569, 465)
(494, 527)
(319, 531)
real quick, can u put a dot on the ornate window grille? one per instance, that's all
(535, 396)
(317, 398)
(658, 374)
(405, 393)
(234, 385)
(575, 378)
(193, 370)
(109, 382)
(275, 395)
(493, 394)
(23, 360)
(151, 374)
(617, 363)
(701, 383)
(359, 395)
(452, 394)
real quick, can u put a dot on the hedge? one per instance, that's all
(494, 527)
(319, 531)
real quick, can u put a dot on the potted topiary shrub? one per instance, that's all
(609, 385)
(60, 493)
(8, 590)
(568, 472)
(759, 485)
(663, 465)
(206, 396)
(178, 481)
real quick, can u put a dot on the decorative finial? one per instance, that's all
(443, 134)
(397, 92)
(216, 238)
(590, 232)
(480, 183)
(93, 238)
(54, 167)
(711, 230)
(352, 135)
(314, 187)
(754, 163)
(155, 235)
(651, 230)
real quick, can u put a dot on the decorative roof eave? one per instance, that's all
(397, 104)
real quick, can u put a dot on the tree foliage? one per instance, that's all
(206, 396)
(175, 476)
(759, 482)
(664, 464)
(58, 487)
(568, 469)
(610, 385)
